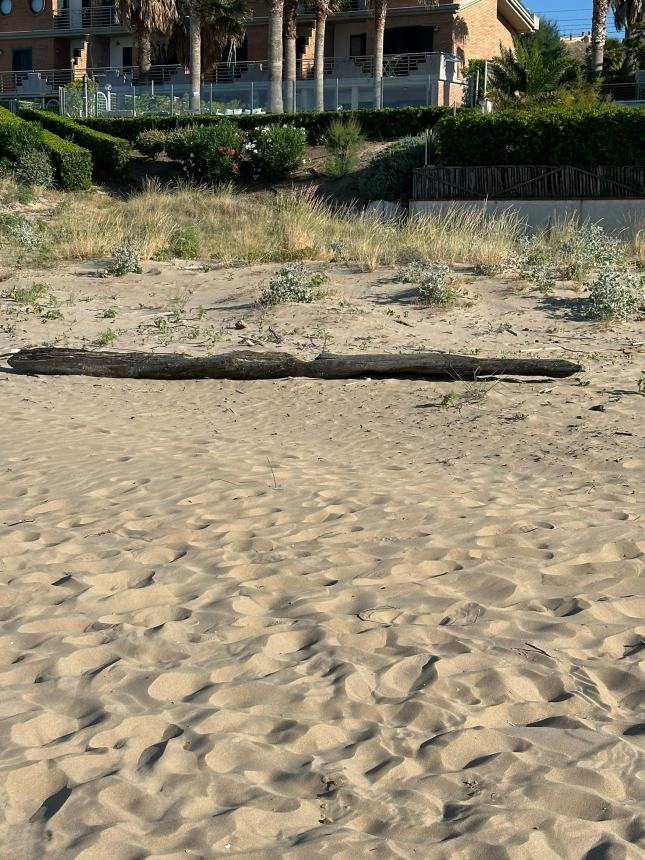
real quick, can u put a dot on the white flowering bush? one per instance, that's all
(615, 295)
(293, 283)
(274, 151)
(412, 272)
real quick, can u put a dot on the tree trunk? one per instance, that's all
(244, 364)
(145, 54)
(275, 56)
(319, 61)
(598, 36)
(195, 37)
(290, 36)
(380, 11)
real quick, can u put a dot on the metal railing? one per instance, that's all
(41, 82)
(627, 92)
(87, 19)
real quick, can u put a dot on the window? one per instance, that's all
(5, 7)
(127, 57)
(36, 6)
(408, 40)
(21, 60)
(358, 45)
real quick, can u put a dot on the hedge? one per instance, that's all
(384, 124)
(72, 164)
(110, 155)
(581, 137)
(17, 136)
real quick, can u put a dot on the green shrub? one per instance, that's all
(34, 167)
(384, 124)
(343, 143)
(72, 163)
(151, 143)
(389, 174)
(17, 137)
(275, 151)
(110, 155)
(184, 243)
(582, 137)
(208, 153)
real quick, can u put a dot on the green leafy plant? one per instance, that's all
(389, 174)
(34, 167)
(105, 338)
(343, 143)
(151, 142)
(293, 283)
(184, 243)
(436, 284)
(640, 385)
(208, 153)
(275, 151)
(110, 155)
(582, 137)
(382, 124)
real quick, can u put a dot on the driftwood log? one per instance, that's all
(274, 365)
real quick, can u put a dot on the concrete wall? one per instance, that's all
(613, 215)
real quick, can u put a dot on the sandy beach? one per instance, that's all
(298, 619)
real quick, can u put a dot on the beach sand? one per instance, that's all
(297, 619)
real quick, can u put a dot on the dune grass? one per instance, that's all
(231, 227)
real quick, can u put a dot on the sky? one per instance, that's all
(573, 16)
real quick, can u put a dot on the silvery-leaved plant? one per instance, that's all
(616, 295)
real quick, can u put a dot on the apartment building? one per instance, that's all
(46, 43)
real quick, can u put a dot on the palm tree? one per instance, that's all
(524, 71)
(290, 37)
(380, 11)
(144, 17)
(598, 36)
(202, 30)
(380, 14)
(628, 13)
(276, 53)
(321, 9)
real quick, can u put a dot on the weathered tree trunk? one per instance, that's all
(145, 54)
(244, 364)
(275, 56)
(380, 11)
(598, 36)
(319, 56)
(195, 38)
(290, 36)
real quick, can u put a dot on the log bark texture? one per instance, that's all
(244, 364)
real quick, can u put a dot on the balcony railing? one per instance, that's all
(46, 82)
(87, 19)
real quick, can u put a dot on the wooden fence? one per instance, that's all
(527, 182)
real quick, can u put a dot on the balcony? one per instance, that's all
(98, 19)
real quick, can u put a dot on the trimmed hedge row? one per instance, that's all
(110, 155)
(384, 124)
(72, 164)
(580, 137)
